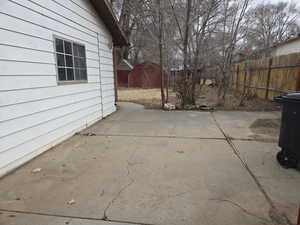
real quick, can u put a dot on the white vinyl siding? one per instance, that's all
(287, 48)
(36, 112)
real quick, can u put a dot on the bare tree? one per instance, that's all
(161, 29)
(233, 16)
(269, 24)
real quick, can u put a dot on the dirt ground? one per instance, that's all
(151, 99)
(266, 126)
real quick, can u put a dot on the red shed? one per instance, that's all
(123, 71)
(145, 75)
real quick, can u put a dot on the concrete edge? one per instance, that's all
(25, 159)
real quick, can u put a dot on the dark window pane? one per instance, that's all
(69, 61)
(77, 62)
(59, 45)
(79, 50)
(82, 63)
(77, 74)
(83, 74)
(68, 47)
(60, 60)
(76, 49)
(61, 74)
(70, 74)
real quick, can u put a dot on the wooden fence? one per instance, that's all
(268, 77)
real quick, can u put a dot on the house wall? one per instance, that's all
(288, 48)
(36, 112)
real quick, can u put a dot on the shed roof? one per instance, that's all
(124, 65)
(106, 13)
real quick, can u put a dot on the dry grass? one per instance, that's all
(208, 96)
(151, 99)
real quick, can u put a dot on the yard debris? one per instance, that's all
(206, 108)
(85, 134)
(169, 106)
(203, 107)
(71, 202)
(36, 170)
(88, 134)
(190, 107)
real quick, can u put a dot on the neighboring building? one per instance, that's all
(56, 73)
(123, 71)
(145, 75)
(287, 47)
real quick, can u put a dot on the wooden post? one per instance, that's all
(269, 77)
(250, 80)
(231, 80)
(237, 77)
(245, 77)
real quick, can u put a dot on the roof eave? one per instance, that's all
(109, 19)
(286, 42)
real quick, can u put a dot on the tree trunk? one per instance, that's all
(167, 88)
(185, 84)
(162, 78)
(125, 24)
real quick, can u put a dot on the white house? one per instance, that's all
(56, 73)
(286, 47)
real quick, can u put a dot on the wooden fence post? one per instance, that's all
(269, 78)
(245, 78)
(231, 81)
(250, 81)
(237, 77)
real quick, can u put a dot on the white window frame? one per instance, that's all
(65, 82)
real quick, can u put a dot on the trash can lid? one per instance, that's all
(295, 96)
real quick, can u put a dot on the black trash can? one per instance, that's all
(289, 140)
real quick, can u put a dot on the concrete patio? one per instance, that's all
(157, 168)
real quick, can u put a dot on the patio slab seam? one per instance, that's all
(71, 217)
(174, 137)
(280, 219)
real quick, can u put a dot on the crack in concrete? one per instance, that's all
(131, 181)
(175, 137)
(146, 136)
(70, 218)
(242, 208)
(50, 215)
(275, 215)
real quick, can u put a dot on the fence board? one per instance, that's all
(267, 77)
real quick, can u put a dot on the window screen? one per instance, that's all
(71, 61)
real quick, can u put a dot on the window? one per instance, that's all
(70, 61)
